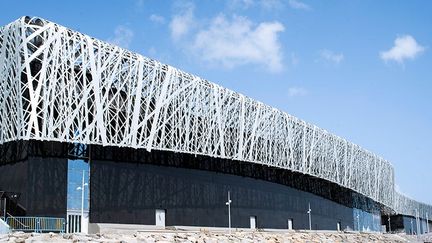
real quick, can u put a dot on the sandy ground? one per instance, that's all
(192, 237)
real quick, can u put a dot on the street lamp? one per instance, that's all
(412, 227)
(4, 209)
(358, 221)
(310, 220)
(82, 188)
(427, 222)
(389, 223)
(228, 203)
(418, 222)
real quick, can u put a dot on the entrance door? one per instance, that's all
(338, 226)
(253, 222)
(290, 222)
(160, 217)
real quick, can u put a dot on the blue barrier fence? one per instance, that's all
(36, 224)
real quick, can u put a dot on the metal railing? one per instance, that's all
(36, 224)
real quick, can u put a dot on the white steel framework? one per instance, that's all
(60, 85)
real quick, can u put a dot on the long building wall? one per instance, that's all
(59, 85)
(130, 193)
(128, 185)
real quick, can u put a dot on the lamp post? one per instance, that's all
(358, 221)
(417, 222)
(228, 203)
(310, 220)
(389, 223)
(427, 222)
(412, 227)
(82, 188)
(4, 209)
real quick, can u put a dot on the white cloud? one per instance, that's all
(157, 19)
(122, 36)
(405, 47)
(298, 5)
(271, 4)
(297, 91)
(181, 23)
(243, 4)
(331, 56)
(237, 41)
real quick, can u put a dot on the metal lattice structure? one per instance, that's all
(60, 85)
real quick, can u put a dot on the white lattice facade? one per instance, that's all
(60, 85)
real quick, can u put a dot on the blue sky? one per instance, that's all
(359, 69)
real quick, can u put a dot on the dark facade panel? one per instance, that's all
(128, 185)
(21, 150)
(131, 192)
(40, 182)
(300, 181)
(406, 224)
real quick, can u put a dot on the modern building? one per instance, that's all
(89, 127)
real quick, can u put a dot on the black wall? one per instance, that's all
(402, 223)
(297, 180)
(128, 185)
(130, 193)
(41, 183)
